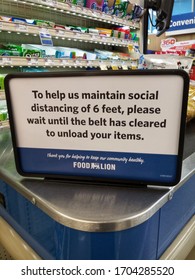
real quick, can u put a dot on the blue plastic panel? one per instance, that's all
(136, 243)
(175, 214)
(145, 241)
(29, 218)
(61, 242)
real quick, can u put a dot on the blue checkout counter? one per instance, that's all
(72, 221)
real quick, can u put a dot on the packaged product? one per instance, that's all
(44, 23)
(133, 36)
(3, 114)
(129, 11)
(33, 51)
(138, 12)
(10, 50)
(3, 111)
(23, 20)
(13, 47)
(104, 31)
(80, 3)
(76, 28)
(191, 102)
(95, 4)
(120, 8)
(108, 6)
(2, 81)
(106, 55)
(58, 26)
(135, 53)
(93, 31)
(121, 32)
(5, 18)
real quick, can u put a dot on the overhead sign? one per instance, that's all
(184, 23)
(116, 126)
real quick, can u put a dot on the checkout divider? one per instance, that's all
(70, 203)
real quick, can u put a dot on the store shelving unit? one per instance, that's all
(63, 63)
(62, 14)
(34, 30)
(79, 11)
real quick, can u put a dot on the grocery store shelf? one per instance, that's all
(79, 11)
(17, 61)
(34, 30)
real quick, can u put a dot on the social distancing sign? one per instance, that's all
(115, 126)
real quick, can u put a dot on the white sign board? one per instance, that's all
(118, 126)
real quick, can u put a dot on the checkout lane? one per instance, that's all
(79, 216)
